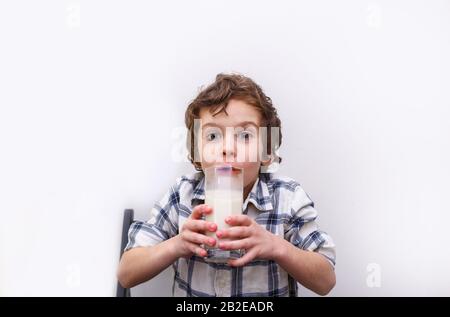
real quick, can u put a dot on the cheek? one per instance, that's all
(248, 152)
(251, 172)
(211, 152)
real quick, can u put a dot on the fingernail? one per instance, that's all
(227, 219)
(219, 234)
(212, 227)
(212, 241)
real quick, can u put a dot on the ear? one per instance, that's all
(267, 162)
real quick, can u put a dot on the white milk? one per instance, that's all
(224, 203)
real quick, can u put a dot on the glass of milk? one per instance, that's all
(224, 194)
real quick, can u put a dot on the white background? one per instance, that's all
(92, 100)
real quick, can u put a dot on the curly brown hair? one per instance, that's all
(216, 97)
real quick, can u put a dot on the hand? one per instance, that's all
(192, 234)
(248, 235)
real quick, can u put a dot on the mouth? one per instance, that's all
(228, 167)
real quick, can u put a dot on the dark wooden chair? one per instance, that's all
(128, 218)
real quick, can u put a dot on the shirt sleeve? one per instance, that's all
(303, 231)
(162, 225)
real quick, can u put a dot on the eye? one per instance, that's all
(212, 136)
(245, 136)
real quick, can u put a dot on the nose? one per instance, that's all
(229, 147)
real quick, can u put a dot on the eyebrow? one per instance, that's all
(240, 124)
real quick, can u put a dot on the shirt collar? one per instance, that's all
(260, 195)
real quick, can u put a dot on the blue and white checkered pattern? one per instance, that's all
(277, 203)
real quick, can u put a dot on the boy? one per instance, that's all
(277, 227)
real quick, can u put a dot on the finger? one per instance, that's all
(196, 249)
(236, 244)
(249, 256)
(200, 210)
(200, 225)
(239, 220)
(198, 238)
(234, 233)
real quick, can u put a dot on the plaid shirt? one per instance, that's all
(277, 203)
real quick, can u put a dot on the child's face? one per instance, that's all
(232, 139)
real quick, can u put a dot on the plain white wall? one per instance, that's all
(92, 100)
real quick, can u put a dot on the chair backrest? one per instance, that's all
(128, 218)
